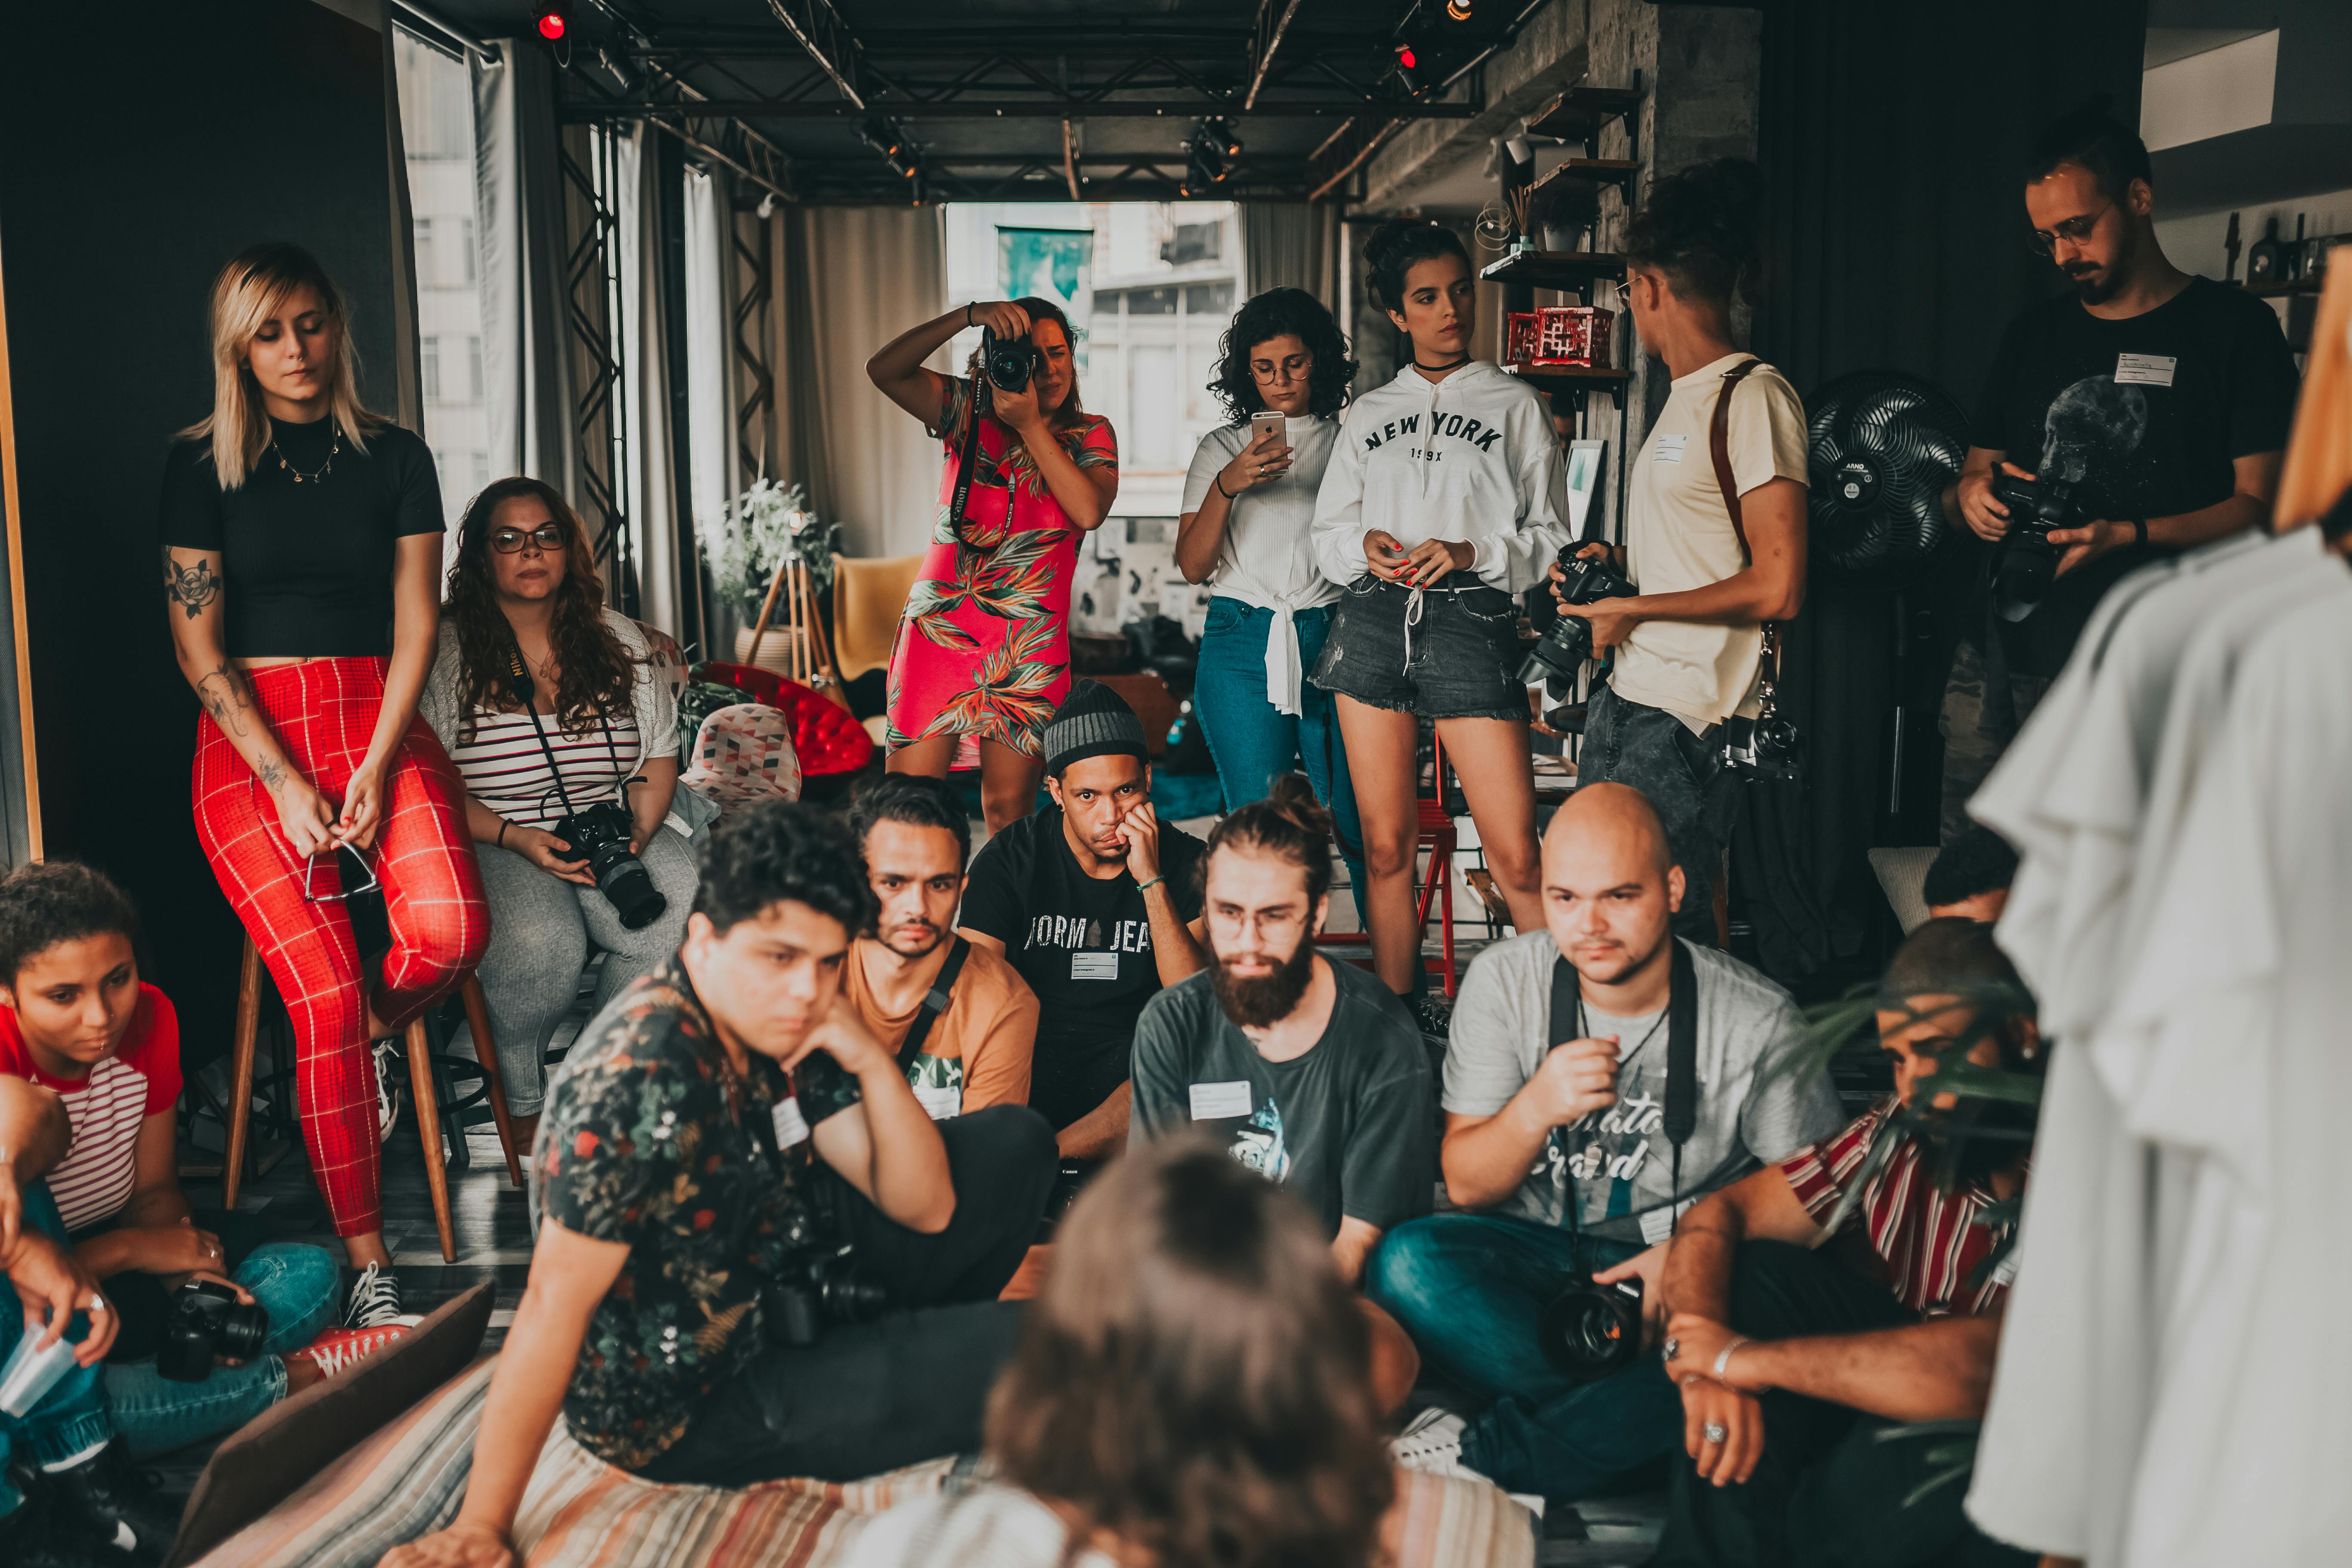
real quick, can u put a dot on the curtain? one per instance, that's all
(1292, 245)
(650, 183)
(519, 185)
(852, 279)
(710, 426)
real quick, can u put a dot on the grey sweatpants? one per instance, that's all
(543, 930)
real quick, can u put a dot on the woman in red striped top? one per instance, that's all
(1794, 1367)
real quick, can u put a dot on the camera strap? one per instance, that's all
(966, 460)
(1679, 1117)
(525, 691)
(935, 1002)
(1718, 446)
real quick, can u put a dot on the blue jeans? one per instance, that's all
(71, 1417)
(298, 1286)
(1252, 740)
(1468, 1288)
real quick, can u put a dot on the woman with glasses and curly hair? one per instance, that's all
(301, 537)
(1247, 530)
(525, 584)
(1192, 1389)
(984, 649)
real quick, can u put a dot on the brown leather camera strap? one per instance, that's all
(1718, 446)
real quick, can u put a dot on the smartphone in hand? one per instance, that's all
(1267, 422)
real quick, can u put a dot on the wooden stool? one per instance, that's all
(420, 1087)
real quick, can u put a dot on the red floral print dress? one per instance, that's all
(984, 648)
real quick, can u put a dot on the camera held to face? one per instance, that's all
(1568, 643)
(2027, 561)
(819, 1282)
(1589, 1331)
(208, 1320)
(1008, 362)
(600, 835)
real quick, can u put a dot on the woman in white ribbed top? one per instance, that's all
(525, 581)
(1249, 504)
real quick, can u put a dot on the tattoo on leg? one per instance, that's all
(191, 587)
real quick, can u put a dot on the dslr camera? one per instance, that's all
(2029, 562)
(600, 835)
(819, 1282)
(1008, 362)
(1565, 646)
(1765, 747)
(206, 1320)
(1589, 1331)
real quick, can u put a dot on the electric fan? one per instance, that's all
(1882, 447)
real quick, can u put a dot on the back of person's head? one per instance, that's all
(1289, 823)
(1977, 861)
(1396, 245)
(52, 902)
(916, 801)
(2091, 138)
(1699, 226)
(1955, 957)
(1194, 1378)
(778, 852)
(1284, 312)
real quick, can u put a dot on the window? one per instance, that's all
(1151, 301)
(421, 231)
(473, 368)
(1194, 242)
(436, 124)
(429, 359)
(481, 466)
(466, 248)
(1209, 300)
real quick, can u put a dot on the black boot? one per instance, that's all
(37, 1538)
(106, 1500)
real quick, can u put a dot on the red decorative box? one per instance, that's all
(1518, 337)
(1569, 335)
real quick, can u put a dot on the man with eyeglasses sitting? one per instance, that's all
(2163, 398)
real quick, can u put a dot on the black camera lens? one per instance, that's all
(208, 1320)
(629, 888)
(852, 1295)
(1589, 1331)
(1008, 362)
(600, 835)
(1561, 651)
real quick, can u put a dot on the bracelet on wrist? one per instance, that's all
(1723, 1358)
(1153, 880)
(503, 826)
(1218, 479)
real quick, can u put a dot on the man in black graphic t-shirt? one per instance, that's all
(1097, 906)
(2164, 397)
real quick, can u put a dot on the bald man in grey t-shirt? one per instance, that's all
(1559, 1153)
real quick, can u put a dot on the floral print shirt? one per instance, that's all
(645, 1142)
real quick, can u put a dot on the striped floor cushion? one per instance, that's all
(581, 1512)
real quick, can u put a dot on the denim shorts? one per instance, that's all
(1455, 657)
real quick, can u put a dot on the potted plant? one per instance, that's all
(769, 526)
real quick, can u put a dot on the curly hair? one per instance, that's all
(783, 852)
(1396, 245)
(1698, 227)
(1284, 312)
(596, 670)
(1067, 415)
(52, 902)
(1194, 1378)
(1289, 822)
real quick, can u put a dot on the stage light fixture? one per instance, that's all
(1458, 10)
(552, 23)
(1408, 67)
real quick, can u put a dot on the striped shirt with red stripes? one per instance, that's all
(101, 1169)
(1931, 1242)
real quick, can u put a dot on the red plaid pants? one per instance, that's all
(323, 713)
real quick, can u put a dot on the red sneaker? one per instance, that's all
(339, 1350)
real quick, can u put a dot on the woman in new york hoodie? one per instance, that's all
(1439, 508)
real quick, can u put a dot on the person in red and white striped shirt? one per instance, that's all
(1798, 1358)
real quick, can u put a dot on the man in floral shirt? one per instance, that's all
(706, 1118)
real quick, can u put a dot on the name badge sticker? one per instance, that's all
(939, 1104)
(792, 1127)
(1213, 1101)
(1093, 966)
(1669, 448)
(2145, 370)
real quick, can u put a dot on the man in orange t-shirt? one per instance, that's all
(961, 1021)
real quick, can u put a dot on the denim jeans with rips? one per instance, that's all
(70, 1419)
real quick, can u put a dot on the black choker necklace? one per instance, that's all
(1449, 365)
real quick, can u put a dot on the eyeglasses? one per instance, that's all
(1289, 370)
(509, 540)
(311, 869)
(2073, 231)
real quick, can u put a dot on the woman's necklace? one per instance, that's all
(1449, 365)
(334, 446)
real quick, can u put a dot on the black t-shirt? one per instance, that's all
(1351, 1127)
(2152, 410)
(1083, 943)
(306, 566)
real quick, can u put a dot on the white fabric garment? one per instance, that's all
(1267, 559)
(1471, 458)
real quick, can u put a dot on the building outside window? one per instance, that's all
(436, 124)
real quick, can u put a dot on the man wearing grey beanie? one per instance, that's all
(1097, 906)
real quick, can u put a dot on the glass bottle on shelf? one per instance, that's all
(2263, 256)
(2291, 257)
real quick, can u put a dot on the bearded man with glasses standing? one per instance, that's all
(2162, 398)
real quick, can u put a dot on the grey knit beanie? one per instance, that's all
(1092, 722)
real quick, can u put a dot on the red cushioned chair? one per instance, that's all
(828, 740)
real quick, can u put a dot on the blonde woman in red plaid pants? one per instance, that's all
(301, 559)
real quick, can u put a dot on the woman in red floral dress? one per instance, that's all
(984, 648)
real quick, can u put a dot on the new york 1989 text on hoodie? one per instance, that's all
(1450, 427)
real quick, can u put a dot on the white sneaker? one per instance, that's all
(388, 1062)
(1433, 1443)
(374, 1301)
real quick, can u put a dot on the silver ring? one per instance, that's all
(1673, 1347)
(1714, 1432)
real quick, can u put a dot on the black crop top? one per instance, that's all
(306, 568)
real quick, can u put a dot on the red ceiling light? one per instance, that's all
(1405, 56)
(550, 23)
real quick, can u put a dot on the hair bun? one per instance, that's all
(1294, 798)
